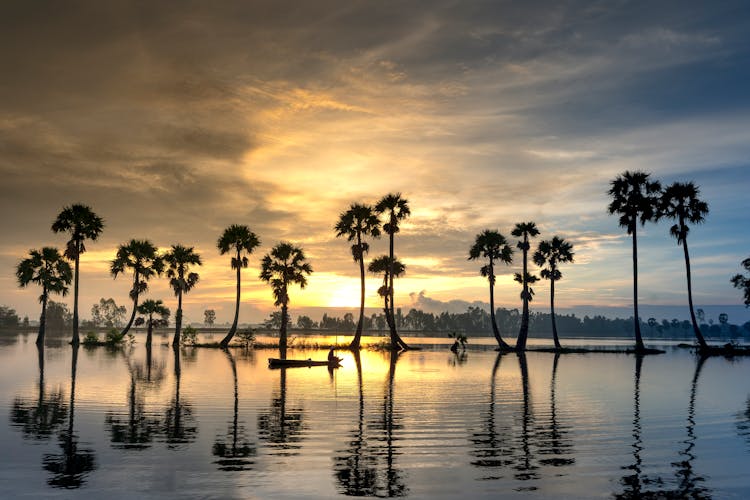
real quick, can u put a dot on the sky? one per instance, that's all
(173, 120)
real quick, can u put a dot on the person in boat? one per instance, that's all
(332, 357)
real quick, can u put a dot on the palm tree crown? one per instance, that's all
(150, 308)
(634, 198)
(240, 239)
(743, 283)
(284, 265)
(552, 253)
(48, 269)
(680, 203)
(382, 265)
(396, 208)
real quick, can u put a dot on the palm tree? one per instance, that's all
(82, 224)
(240, 240)
(525, 230)
(179, 259)
(680, 203)
(150, 308)
(385, 265)
(396, 208)
(635, 198)
(742, 283)
(48, 269)
(283, 266)
(493, 246)
(139, 256)
(551, 253)
(359, 221)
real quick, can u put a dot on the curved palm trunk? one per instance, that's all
(228, 338)
(76, 339)
(390, 275)
(552, 312)
(42, 320)
(503, 346)
(397, 343)
(696, 328)
(178, 320)
(524, 332)
(135, 305)
(639, 347)
(358, 335)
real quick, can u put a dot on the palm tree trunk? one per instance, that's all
(502, 345)
(76, 339)
(524, 332)
(639, 347)
(228, 338)
(150, 330)
(135, 305)
(42, 320)
(390, 280)
(552, 310)
(357, 336)
(178, 319)
(696, 328)
(282, 333)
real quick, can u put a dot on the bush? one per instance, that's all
(91, 338)
(114, 337)
(189, 336)
(245, 337)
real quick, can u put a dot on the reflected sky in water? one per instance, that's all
(423, 424)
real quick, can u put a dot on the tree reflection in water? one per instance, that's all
(41, 416)
(179, 425)
(69, 469)
(743, 422)
(368, 466)
(136, 429)
(280, 426)
(638, 485)
(555, 441)
(234, 449)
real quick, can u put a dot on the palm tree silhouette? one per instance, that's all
(240, 240)
(525, 230)
(140, 256)
(284, 265)
(358, 221)
(149, 308)
(179, 426)
(680, 203)
(385, 265)
(178, 260)
(551, 253)
(82, 224)
(235, 451)
(493, 246)
(48, 269)
(396, 208)
(742, 283)
(635, 198)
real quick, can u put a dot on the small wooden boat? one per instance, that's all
(296, 363)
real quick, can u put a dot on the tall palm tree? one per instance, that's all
(680, 203)
(552, 253)
(139, 256)
(742, 283)
(358, 221)
(82, 224)
(150, 308)
(525, 230)
(492, 246)
(396, 209)
(178, 260)
(635, 198)
(239, 240)
(283, 266)
(385, 265)
(48, 269)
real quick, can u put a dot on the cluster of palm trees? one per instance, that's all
(283, 265)
(359, 222)
(637, 199)
(493, 246)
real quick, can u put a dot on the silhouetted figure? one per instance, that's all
(235, 451)
(331, 356)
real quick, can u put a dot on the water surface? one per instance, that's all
(211, 424)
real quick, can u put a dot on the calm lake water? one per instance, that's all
(427, 424)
